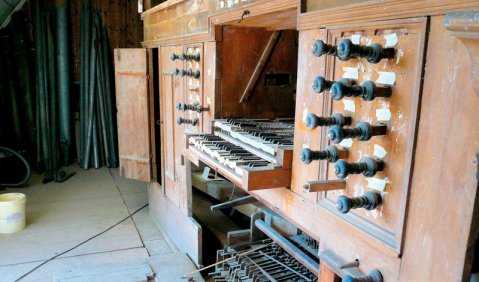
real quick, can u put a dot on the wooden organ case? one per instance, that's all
(383, 167)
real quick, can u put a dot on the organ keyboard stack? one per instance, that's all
(253, 154)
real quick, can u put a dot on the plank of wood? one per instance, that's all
(183, 230)
(260, 66)
(235, 202)
(171, 267)
(46, 272)
(324, 185)
(132, 113)
(445, 169)
(130, 271)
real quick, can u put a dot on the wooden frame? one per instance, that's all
(213, 20)
(378, 10)
(393, 239)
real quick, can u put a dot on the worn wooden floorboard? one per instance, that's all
(59, 216)
(46, 272)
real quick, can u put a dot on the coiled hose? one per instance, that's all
(28, 173)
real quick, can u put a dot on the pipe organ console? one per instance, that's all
(253, 154)
(379, 163)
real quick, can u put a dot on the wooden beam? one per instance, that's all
(260, 66)
(326, 185)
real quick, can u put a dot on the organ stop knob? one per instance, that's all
(183, 56)
(363, 131)
(373, 276)
(368, 201)
(331, 154)
(190, 73)
(190, 107)
(368, 167)
(368, 90)
(312, 121)
(181, 120)
(373, 53)
(320, 48)
(179, 56)
(320, 83)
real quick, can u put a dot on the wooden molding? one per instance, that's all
(465, 26)
(381, 10)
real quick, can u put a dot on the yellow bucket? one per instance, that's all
(12, 212)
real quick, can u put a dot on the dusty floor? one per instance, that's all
(59, 216)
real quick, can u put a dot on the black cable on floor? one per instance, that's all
(89, 239)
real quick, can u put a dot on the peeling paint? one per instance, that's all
(391, 40)
(305, 114)
(379, 151)
(351, 73)
(356, 38)
(376, 183)
(383, 114)
(387, 78)
(349, 105)
(399, 55)
(347, 143)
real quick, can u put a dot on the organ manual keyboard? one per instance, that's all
(253, 154)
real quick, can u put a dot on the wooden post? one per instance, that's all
(260, 66)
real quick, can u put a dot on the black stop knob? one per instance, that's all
(373, 276)
(179, 72)
(181, 120)
(331, 154)
(195, 74)
(373, 53)
(363, 131)
(368, 201)
(368, 167)
(194, 57)
(312, 121)
(189, 107)
(176, 57)
(368, 90)
(320, 83)
(320, 48)
(189, 73)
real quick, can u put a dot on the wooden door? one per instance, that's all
(131, 80)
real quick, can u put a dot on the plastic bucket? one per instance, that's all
(12, 212)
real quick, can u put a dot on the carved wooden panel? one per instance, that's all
(172, 92)
(211, 83)
(307, 102)
(194, 86)
(444, 197)
(132, 106)
(399, 112)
